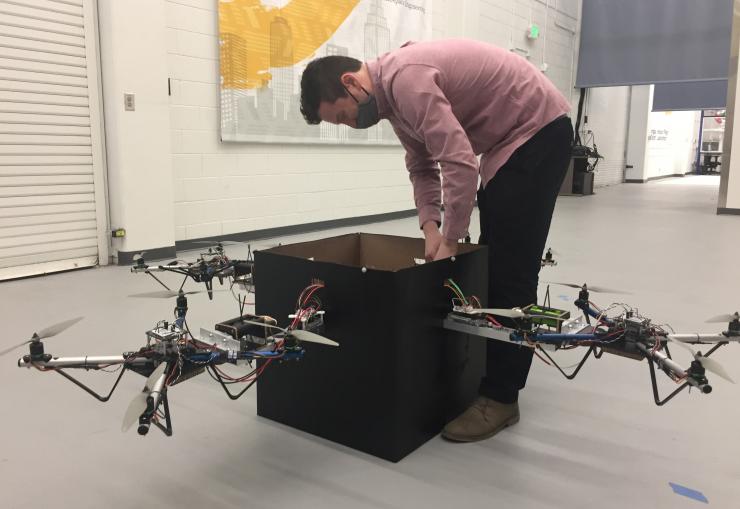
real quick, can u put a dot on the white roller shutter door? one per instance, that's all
(52, 189)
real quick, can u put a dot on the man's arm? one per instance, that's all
(424, 176)
(421, 103)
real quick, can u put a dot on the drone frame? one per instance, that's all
(526, 333)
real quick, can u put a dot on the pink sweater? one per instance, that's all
(451, 100)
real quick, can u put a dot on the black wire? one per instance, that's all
(230, 382)
(185, 322)
(577, 135)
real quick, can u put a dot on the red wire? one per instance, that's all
(493, 321)
(314, 290)
(314, 286)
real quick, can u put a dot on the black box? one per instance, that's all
(397, 376)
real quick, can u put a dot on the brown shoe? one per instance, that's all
(482, 420)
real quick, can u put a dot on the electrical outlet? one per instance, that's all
(128, 102)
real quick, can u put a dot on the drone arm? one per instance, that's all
(704, 387)
(81, 362)
(666, 364)
(159, 268)
(556, 338)
(584, 306)
(700, 338)
(155, 396)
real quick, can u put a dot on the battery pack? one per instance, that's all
(549, 317)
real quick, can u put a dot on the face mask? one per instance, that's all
(367, 112)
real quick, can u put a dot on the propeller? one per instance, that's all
(707, 363)
(724, 318)
(269, 246)
(299, 334)
(138, 405)
(168, 294)
(268, 325)
(597, 289)
(139, 256)
(48, 332)
(310, 337)
(221, 242)
(511, 313)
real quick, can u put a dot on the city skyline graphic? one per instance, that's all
(260, 97)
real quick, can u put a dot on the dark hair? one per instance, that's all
(321, 82)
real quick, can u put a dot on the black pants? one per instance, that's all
(515, 211)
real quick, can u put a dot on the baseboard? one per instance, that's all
(184, 245)
(157, 253)
(660, 177)
(728, 211)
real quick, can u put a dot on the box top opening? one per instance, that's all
(379, 252)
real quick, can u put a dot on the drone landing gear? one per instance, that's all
(88, 389)
(571, 376)
(231, 396)
(654, 382)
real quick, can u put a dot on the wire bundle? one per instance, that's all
(307, 304)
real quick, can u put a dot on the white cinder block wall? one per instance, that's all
(224, 188)
(506, 22)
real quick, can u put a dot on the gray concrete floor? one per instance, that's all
(597, 441)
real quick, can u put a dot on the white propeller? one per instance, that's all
(707, 363)
(46, 333)
(268, 325)
(168, 294)
(724, 318)
(511, 313)
(310, 337)
(597, 289)
(299, 334)
(138, 404)
(220, 242)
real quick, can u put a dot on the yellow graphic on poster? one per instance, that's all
(265, 37)
(266, 44)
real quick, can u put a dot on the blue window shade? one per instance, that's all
(690, 95)
(639, 42)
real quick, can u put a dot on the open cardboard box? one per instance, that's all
(397, 376)
(379, 252)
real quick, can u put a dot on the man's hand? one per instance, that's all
(446, 249)
(432, 240)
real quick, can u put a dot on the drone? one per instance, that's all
(548, 260)
(627, 334)
(211, 264)
(172, 354)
